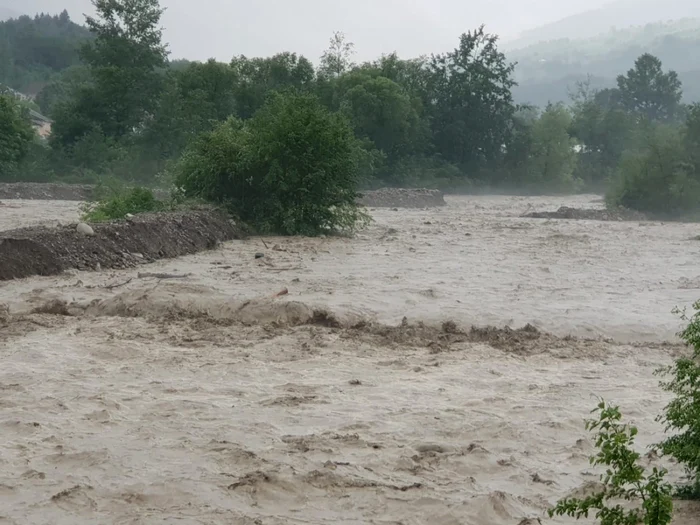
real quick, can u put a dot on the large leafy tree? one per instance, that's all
(256, 77)
(196, 99)
(16, 136)
(602, 130)
(382, 112)
(124, 60)
(553, 155)
(471, 101)
(648, 91)
(337, 59)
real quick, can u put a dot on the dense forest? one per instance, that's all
(33, 50)
(281, 129)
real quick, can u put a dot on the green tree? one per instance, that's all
(257, 77)
(337, 59)
(691, 136)
(412, 75)
(624, 478)
(602, 132)
(648, 91)
(62, 87)
(471, 102)
(381, 111)
(291, 169)
(196, 98)
(124, 60)
(656, 178)
(16, 136)
(553, 155)
(682, 414)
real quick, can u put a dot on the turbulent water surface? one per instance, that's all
(205, 399)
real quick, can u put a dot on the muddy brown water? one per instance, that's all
(144, 405)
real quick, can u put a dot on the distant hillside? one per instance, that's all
(34, 49)
(616, 15)
(548, 69)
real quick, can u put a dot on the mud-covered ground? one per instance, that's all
(217, 398)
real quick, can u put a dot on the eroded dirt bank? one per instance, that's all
(47, 251)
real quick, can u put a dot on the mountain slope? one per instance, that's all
(620, 14)
(548, 69)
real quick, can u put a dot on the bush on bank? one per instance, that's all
(291, 169)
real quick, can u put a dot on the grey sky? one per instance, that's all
(199, 29)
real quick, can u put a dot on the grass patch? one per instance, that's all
(123, 203)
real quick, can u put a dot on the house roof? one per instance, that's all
(38, 116)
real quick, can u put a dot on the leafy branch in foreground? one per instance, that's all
(682, 414)
(623, 480)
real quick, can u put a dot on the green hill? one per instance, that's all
(34, 49)
(547, 70)
(615, 15)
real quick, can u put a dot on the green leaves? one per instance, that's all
(553, 155)
(471, 100)
(121, 203)
(647, 91)
(291, 169)
(624, 479)
(656, 178)
(16, 136)
(682, 414)
(123, 62)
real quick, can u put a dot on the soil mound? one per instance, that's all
(620, 214)
(44, 191)
(402, 198)
(120, 244)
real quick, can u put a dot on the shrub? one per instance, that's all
(657, 180)
(291, 169)
(553, 158)
(682, 414)
(16, 137)
(121, 203)
(624, 478)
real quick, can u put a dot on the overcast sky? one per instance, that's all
(199, 29)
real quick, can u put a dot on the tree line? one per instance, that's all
(447, 121)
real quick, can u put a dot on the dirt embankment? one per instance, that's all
(620, 214)
(46, 191)
(121, 244)
(402, 198)
(56, 191)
